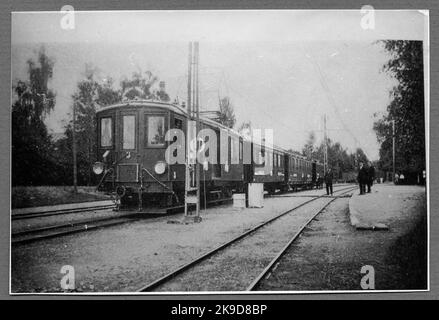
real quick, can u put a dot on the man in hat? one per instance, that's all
(370, 177)
(362, 178)
(328, 181)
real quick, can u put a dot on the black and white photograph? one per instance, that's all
(219, 152)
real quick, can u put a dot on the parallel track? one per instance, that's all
(255, 284)
(59, 230)
(168, 277)
(59, 212)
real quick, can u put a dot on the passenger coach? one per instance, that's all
(131, 152)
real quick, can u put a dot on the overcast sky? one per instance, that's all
(281, 69)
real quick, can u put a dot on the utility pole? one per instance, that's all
(197, 110)
(192, 166)
(75, 170)
(188, 129)
(325, 149)
(393, 149)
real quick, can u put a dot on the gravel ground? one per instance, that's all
(125, 257)
(234, 268)
(330, 253)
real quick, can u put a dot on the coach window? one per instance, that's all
(129, 132)
(261, 156)
(156, 131)
(106, 132)
(178, 124)
(234, 158)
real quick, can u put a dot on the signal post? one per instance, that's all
(192, 184)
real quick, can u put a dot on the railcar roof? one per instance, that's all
(178, 109)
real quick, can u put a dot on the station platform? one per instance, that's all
(377, 210)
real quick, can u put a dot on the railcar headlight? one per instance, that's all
(160, 167)
(98, 168)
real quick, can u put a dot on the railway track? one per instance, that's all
(32, 215)
(268, 269)
(166, 279)
(53, 231)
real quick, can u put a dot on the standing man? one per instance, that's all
(370, 177)
(362, 178)
(328, 181)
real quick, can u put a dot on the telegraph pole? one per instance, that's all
(188, 129)
(393, 149)
(192, 188)
(197, 110)
(75, 170)
(325, 153)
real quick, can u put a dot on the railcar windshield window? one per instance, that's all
(129, 132)
(156, 131)
(106, 132)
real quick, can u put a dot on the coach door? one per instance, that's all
(286, 167)
(314, 172)
(128, 166)
(217, 167)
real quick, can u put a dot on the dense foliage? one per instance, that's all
(37, 159)
(339, 159)
(226, 113)
(406, 109)
(32, 150)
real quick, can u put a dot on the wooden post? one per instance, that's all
(197, 110)
(393, 150)
(75, 170)
(188, 128)
(192, 107)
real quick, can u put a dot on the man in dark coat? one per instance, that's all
(362, 178)
(328, 181)
(370, 177)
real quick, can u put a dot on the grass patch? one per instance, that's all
(24, 197)
(409, 253)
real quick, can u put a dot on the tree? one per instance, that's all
(308, 148)
(227, 114)
(138, 87)
(339, 159)
(245, 129)
(406, 108)
(32, 162)
(360, 156)
(89, 96)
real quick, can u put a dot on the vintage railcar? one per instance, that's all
(131, 152)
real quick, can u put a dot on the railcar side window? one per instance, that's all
(234, 158)
(129, 132)
(106, 132)
(156, 131)
(178, 124)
